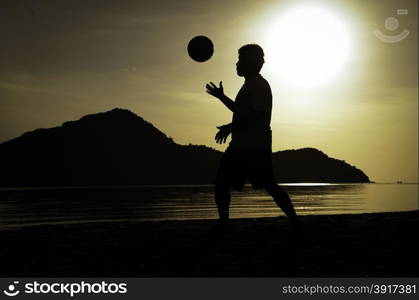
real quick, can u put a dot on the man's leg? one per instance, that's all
(222, 199)
(283, 200)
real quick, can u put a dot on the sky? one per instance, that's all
(61, 60)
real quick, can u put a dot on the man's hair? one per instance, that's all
(254, 54)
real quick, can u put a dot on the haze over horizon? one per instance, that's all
(63, 60)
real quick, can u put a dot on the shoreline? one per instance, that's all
(347, 245)
(69, 187)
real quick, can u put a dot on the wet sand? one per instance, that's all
(353, 245)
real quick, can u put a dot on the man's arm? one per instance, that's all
(218, 92)
(225, 130)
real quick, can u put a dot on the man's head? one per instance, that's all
(250, 60)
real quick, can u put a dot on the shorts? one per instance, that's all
(241, 164)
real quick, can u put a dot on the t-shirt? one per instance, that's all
(254, 95)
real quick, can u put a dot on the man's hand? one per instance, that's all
(223, 132)
(217, 92)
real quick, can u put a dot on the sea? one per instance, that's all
(21, 207)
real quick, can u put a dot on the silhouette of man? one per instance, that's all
(249, 154)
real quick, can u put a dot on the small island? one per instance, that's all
(118, 147)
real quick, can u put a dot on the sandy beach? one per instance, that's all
(352, 245)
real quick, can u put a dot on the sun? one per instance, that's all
(308, 46)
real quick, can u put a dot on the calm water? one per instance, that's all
(26, 207)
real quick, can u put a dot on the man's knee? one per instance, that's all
(221, 189)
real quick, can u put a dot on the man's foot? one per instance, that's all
(296, 225)
(221, 229)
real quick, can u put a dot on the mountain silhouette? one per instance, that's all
(120, 148)
(312, 165)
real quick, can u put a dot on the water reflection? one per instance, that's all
(19, 207)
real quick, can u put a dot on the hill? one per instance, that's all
(312, 165)
(120, 148)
